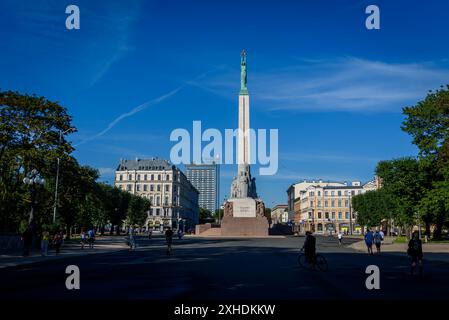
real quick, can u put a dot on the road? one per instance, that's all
(217, 269)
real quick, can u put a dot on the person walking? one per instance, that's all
(91, 235)
(169, 240)
(132, 240)
(340, 238)
(150, 233)
(83, 239)
(369, 241)
(378, 240)
(44, 243)
(58, 242)
(415, 252)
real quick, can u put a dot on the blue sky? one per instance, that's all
(136, 70)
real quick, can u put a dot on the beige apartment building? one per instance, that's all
(325, 207)
(174, 200)
(279, 214)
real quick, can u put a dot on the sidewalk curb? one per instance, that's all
(40, 259)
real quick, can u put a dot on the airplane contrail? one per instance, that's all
(143, 106)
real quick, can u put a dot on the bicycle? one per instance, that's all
(318, 261)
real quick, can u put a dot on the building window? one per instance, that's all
(167, 177)
(319, 193)
(319, 203)
(145, 177)
(339, 193)
(310, 215)
(332, 193)
(346, 203)
(158, 201)
(145, 187)
(319, 215)
(158, 211)
(138, 177)
(346, 215)
(320, 227)
(326, 215)
(130, 177)
(333, 203)
(121, 177)
(326, 204)
(128, 187)
(138, 187)
(152, 177)
(333, 215)
(311, 203)
(167, 188)
(159, 177)
(339, 203)
(158, 187)
(326, 193)
(340, 215)
(166, 201)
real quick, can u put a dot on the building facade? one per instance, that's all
(325, 207)
(206, 179)
(294, 191)
(279, 214)
(174, 200)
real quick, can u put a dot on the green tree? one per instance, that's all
(205, 214)
(406, 180)
(137, 211)
(29, 139)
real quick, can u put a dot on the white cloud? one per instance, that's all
(343, 84)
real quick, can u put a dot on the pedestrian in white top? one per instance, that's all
(340, 238)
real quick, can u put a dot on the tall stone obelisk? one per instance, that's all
(244, 213)
(243, 185)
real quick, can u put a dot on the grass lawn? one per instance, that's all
(400, 239)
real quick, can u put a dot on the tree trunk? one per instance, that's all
(111, 232)
(69, 228)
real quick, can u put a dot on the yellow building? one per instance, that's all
(324, 207)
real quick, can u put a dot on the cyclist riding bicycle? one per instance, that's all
(309, 247)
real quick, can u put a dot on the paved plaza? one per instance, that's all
(231, 268)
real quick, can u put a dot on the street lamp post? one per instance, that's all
(33, 179)
(55, 205)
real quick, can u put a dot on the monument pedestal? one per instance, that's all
(244, 217)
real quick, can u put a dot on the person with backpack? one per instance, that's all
(415, 252)
(369, 241)
(378, 240)
(91, 235)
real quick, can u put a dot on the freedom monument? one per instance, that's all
(244, 212)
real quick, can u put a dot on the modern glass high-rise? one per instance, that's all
(206, 179)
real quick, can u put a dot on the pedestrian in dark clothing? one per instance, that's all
(169, 240)
(415, 252)
(58, 242)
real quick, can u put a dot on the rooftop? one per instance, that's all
(145, 164)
